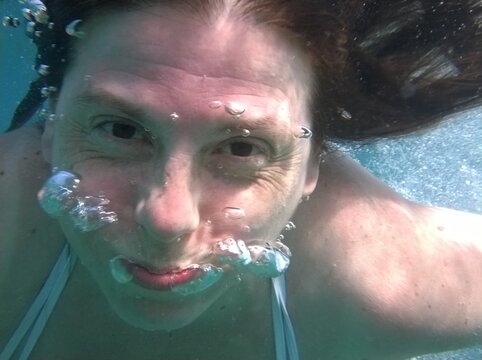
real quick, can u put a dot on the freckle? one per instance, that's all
(440, 228)
(33, 231)
(222, 307)
(170, 334)
(429, 306)
(38, 152)
(25, 158)
(2, 173)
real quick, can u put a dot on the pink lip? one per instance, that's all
(164, 281)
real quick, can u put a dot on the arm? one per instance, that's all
(402, 278)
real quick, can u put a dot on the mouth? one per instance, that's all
(186, 281)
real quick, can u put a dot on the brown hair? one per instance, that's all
(382, 68)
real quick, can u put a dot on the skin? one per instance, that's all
(362, 283)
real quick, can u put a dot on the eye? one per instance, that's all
(123, 131)
(240, 149)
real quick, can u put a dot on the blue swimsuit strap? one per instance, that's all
(36, 317)
(284, 335)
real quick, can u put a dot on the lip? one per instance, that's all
(161, 281)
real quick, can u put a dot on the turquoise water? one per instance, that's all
(442, 167)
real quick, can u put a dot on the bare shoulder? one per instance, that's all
(387, 267)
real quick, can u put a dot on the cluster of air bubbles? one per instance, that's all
(10, 21)
(258, 257)
(36, 10)
(47, 91)
(304, 133)
(233, 213)
(344, 114)
(43, 70)
(174, 116)
(73, 29)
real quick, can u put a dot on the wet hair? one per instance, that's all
(381, 68)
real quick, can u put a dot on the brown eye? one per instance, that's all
(240, 149)
(122, 131)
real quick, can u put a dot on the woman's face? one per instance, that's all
(191, 130)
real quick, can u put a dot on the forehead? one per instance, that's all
(143, 39)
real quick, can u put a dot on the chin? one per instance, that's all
(158, 315)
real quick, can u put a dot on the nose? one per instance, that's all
(169, 209)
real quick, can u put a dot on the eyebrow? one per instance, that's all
(109, 100)
(104, 98)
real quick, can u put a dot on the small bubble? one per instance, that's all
(219, 166)
(174, 116)
(48, 90)
(234, 108)
(41, 15)
(38, 33)
(233, 213)
(87, 77)
(30, 27)
(344, 113)
(290, 226)
(208, 222)
(247, 229)
(27, 14)
(72, 29)
(52, 117)
(215, 104)
(51, 25)
(227, 131)
(280, 237)
(305, 133)
(245, 132)
(43, 70)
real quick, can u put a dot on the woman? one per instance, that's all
(181, 147)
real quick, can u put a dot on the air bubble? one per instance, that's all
(233, 213)
(52, 117)
(246, 228)
(10, 21)
(228, 131)
(174, 116)
(38, 33)
(344, 114)
(51, 25)
(280, 237)
(118, 270)
(234, 108)
(208, 222)
(245, 132)
(30, 28)
(219, 166)
(215, 104)
(44, 70)
(290, 226)
(305, 133)
(27, 14)
(72, 29)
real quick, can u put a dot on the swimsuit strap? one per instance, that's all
(36, 317)
(284, 335)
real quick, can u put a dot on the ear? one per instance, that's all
(47, 141)
(312, 171)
